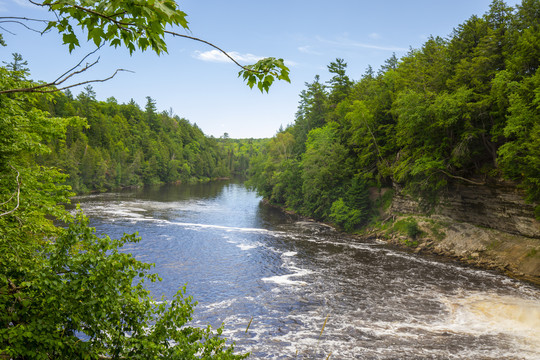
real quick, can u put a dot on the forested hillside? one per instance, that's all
(110, 145)
(465, 108)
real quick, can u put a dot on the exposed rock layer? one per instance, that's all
(499, 207)
(488, 226)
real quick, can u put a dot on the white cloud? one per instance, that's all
(218, 56)
(345, 42)
(374, 36)
(307, 49)
(290, 63)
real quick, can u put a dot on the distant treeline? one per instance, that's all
(465, 108)
(110, 145)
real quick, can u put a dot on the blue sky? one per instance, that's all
(201, 87)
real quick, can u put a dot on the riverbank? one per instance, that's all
(190, 181)
(514, 255)
(488, 226)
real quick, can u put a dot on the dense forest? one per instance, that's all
(109, 145)
(465, 108)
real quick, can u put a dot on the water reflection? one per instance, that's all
(242, 259)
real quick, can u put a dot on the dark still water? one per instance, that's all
(241, 259)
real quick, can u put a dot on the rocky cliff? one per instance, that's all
(500, 207)
(489, 226)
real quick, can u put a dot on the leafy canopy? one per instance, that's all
(143, 24)
(133, 23)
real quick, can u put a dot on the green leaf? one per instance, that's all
(71, 40)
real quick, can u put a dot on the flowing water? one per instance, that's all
(242, 260)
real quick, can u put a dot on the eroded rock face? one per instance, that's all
(487, 226)
(513, 254)
(497, 207)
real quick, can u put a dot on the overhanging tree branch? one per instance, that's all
(136, 25)
(19, 20)
(129, 27)
(126, 26)
(136, 29)
(55, 85)
(79, 64)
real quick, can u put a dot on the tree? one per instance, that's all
(389, 64)
(101, 309)
(323, 170)
(340, 83)
(97, 292)
(18, 66)
(311, 113)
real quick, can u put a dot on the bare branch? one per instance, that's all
(36, 3)
(18, 194)
(85, 82)
(212, 45)
(60, 81)
(126, 26)
(54, 85)
(22, 18)
(38, 89)
(20, 23)
(462, 178)
(6, 30)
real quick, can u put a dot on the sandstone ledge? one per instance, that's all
(515, 255)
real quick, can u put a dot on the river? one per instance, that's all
(242, 260)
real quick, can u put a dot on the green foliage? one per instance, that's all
(457, 110)
(287, 184)
(340, 83)
(237, 154)
(386, 199)
(409, 227)
(322, 173)
(520, 155)
(136, 24)
(65, 292)
(311, 113)
(344, 216)
(133, 24)
(101, 307)
(119, 145)
(264, 72)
